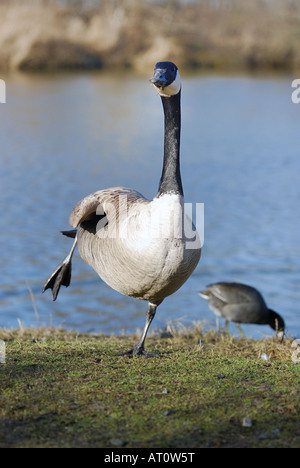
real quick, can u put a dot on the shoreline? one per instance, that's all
(132, 35)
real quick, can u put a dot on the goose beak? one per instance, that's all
(159, 79)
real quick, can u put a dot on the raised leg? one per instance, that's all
(61, 276)
(138, 349)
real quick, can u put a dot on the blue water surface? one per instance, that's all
(64, 136)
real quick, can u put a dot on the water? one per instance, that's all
(64, 136)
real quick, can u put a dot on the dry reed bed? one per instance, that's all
(44, 35)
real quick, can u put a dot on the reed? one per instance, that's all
(46, 35)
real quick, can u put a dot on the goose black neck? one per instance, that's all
(170, 181)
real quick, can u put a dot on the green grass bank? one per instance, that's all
(65, 389)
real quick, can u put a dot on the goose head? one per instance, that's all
(166, 79)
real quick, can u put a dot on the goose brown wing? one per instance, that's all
(104, 203)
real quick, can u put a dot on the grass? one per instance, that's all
(65, 389)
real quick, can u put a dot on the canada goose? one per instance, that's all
(137, 246)
(240, 303)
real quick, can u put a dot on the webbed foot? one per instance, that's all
(60, 277)
(137, 351)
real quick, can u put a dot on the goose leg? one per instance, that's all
(138, 349)
(61, 276)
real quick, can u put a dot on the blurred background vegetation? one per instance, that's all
(77, 34)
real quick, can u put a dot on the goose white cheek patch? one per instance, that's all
(172, 89)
